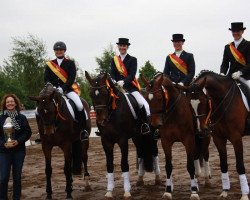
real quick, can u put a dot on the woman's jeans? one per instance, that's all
(15, 160)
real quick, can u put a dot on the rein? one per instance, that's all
(58, 113)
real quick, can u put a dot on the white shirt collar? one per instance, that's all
(59, 61)
(237, 42)
(123, 56)
(178, 53)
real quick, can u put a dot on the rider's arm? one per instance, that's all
(131, 71)
(46, 75)
(225, 62)
(246, 69)
(191, 70)
(113, 70)
(71, 76)
(166, 70)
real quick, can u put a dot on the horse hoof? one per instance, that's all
(109, 196)
(49, 197)
(244, 197)
(127, 196)
(167, 196)
(194, 197)
(69, 197)
(88, 188)
(223, 195)
(140, 183)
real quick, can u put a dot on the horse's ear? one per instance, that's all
(144, 80)
(88, 77)
(33, 98)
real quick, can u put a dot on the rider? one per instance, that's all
(180, 66)
(123, 71)
(236, 58)
(68, 66)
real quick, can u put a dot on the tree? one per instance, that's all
(104, 61)
(147, 71)
(23, 71)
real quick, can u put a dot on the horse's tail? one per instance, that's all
(77, 158)
(145, 149)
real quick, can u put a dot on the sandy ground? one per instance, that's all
(33, 181)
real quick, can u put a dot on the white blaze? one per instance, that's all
(195, 104)
(150, 96)
(97, 92)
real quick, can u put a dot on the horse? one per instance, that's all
(228, 120)
(201, 105)
(172, 114)
(57, 127)
(117, 124)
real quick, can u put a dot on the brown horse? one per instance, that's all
(171, 112)
(117, 124)
(228, 119)
(58, 128)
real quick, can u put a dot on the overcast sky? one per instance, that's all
(89, 26)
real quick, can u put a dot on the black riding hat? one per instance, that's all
(60, 45)
(237, 26)
(178, 37)
(123, 41)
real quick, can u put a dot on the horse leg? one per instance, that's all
(189, 144)
(207, 169)
(238, 149)
(220, 143)
(85, 146)
(156, 165)
(123, 144)
(167, 147)
(197, 155)
(109, 152)
(67, 169)
(48, 169)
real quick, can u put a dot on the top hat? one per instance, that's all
(178, 37)
(123, 41)
(237, 26)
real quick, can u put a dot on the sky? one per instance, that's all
(89, 26)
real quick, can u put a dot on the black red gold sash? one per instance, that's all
(123, 71)
(237, 55)
(62, 75)
(179, 63)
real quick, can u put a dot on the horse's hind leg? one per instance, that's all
(220, 143)
(207, 169)
(67, 169)
(85, 146)
(238, 149)
(189, 146)
(48, 169)
(167, 147)
(123, 144)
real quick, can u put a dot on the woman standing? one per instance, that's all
(12, 153)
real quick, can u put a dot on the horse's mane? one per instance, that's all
(212, 74)
(47, 90)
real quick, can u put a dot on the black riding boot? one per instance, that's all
(84, 135)
(145, 129)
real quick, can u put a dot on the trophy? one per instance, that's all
(8, 131)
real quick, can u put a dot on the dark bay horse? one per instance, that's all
(171, 113)
(228, 119)
(117, 124)
(58, 128)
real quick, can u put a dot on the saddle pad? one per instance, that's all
(245, 94)
(130, 105)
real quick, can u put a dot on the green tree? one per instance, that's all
(23, 71)
(147, 71)
(104, 61)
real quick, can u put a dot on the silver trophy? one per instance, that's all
(8, 129)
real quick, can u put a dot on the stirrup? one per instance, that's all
(84, 135)
(145, 129)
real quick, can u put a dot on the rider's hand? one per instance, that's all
(120, 83)
(222, 74)
(236, 75)
(60, 90)
(181, 84)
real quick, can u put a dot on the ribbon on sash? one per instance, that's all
(237, 55)
(179, 63)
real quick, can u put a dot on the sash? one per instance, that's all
(62, 75)
(237, 55)
(123, 71)
(179, 63)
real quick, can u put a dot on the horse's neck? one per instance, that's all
(173, 94)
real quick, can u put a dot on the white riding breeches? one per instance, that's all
(141, 101)
(74, 97)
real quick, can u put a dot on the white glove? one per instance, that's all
(120, 83)
(60, 90)
(181, 84)
(222, 74)
(236, 75)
